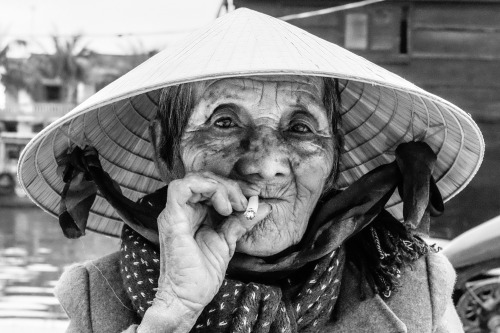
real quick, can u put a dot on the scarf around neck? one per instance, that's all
(302, 302)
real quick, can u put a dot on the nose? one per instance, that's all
(265, 157)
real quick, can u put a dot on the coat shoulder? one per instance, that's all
(73, 295)
(422, 304)
(442, 279)
(92, 295)
(424, 300)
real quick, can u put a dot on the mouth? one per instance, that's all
(254, 202)
(268, 191)
(270, 200)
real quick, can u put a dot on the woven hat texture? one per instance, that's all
(380, 110)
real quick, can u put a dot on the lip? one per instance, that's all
(266, 193)
(270, 200)
(250, 192)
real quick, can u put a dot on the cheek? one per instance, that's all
(202, 152)
(312, 163)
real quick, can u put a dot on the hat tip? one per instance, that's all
(244, 10)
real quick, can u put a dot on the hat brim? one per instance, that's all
(379, 111)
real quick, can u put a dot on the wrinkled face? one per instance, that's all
(272, 133)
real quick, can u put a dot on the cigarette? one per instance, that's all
(253, 205)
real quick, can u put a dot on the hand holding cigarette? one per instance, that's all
(253, 205)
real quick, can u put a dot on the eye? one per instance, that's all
(225, 122)
(300, 128)
(225, 117)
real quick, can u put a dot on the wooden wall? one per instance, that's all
(453, 50)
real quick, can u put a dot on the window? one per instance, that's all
(356, 31)
(9, 126)
(403, 31)
(381, 29)
(52, 93)
(13, 151)
(35, 128)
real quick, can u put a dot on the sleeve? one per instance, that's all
(94, 299)
(442, 279)
(72, 292)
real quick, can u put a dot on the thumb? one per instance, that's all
(237, 225)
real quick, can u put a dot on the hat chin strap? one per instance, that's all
(337, 217)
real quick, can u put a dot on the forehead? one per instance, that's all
(244, 88)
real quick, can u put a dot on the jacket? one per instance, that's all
(93, 296)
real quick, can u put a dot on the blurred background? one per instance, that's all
(56, 53)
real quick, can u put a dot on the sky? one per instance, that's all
(144, 25)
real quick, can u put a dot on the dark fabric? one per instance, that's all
(77, 196)
(301, 303)
(82, 168)
(382, 250)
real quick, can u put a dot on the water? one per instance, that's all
(33, 254)
(33, 325)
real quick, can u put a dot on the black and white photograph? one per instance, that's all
(250, 166)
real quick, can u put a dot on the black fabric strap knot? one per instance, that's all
(84, 176)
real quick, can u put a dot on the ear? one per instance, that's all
(155, 139)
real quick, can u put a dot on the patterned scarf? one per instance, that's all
(302, 302)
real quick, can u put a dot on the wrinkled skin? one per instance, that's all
(274, 135)
(265, 136)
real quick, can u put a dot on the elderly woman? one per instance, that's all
(280, 213)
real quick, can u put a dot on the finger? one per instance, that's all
(179, 213)
(238, 200)
(238, 225)
(195, 188)
(192, 188)
(220, 201)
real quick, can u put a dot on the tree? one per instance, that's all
(3, 53)
(69, 63)
(17, 74)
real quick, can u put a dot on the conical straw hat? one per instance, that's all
(380, 110)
